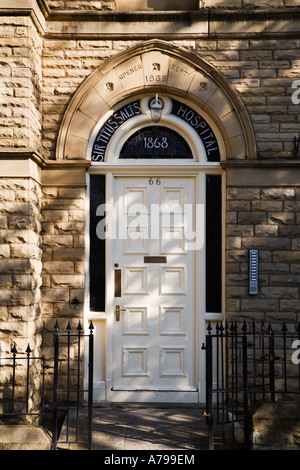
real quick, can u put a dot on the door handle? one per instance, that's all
(118, 310)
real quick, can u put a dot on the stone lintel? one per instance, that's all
(27, 163)
(262, 172)
(65, 173)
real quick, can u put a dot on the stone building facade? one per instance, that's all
(67, 68)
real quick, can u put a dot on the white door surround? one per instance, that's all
(143, 358)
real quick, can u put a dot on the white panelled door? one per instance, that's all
(154, 257)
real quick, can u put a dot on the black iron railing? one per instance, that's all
(246, 365)
(21, 401)
(64, 393)
(33, 387)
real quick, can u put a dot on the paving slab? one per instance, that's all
(137, 427)
(22, 437)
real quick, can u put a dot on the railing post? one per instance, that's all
(14, 352)
(245, 388)
(90, 386)
(271, 362)
(28, 351)
(55, 387)
(79, 329)
(209, 382)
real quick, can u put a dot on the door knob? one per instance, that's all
(118, 310)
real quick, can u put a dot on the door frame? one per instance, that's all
(103, 388)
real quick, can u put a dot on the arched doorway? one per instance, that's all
(154, 275)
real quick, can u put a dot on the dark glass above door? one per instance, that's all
(155, 142)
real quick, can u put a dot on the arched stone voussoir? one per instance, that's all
(151, 66)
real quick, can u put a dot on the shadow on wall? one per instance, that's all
(156, 5)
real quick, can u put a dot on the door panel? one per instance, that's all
(154, 340)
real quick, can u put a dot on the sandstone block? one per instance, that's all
(281, 218)
(74, 281)
(249, 218)
(279, 292)
(4, 251)
(58, 240)
(59, 267)
(14, 266)
(55, 295)
(277, 193)
(290, 305)
(269, 205)
(69, 227)
(240, 230)
(243, 193)
(233, 242)
(268, 243)
(259, 305)
(5, 281)
(68, 254)
(71, 193)
(266, 230)
(54, 215)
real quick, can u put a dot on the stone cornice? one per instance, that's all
(217, 23)
(262, 173)
(38, 10)
(22, 154)
(264, 164)
(215, 14)
(203, 23)
(30, 154)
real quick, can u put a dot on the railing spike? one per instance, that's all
(56, 326)
(28, 350)
(244, 327)
(69, 328)
(91, 327)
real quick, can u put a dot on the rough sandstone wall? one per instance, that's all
(266, 219)
(20, 83)
(63, 225)
(20, 199)
(20, 281)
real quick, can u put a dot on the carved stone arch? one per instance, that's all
(156, 66)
